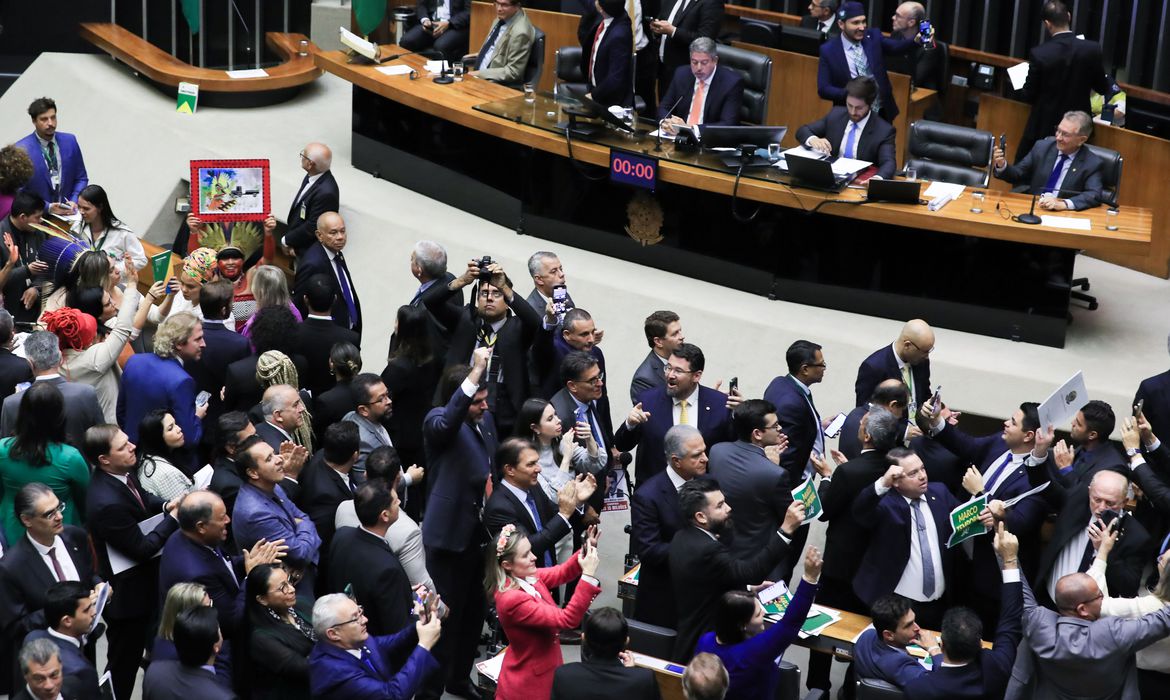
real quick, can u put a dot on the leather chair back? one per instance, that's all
(535, 67)
(1110, 173)
(570, 79)
(651, 639)
(789, 686)
(759, 33)
(950, 153)
(756, 70)
(874, 689)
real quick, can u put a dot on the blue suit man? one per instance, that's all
(791, 394)
(157, 380)
(1082, 183)
(607, 54)
(723, 98)
(837, 67)
(58, 168)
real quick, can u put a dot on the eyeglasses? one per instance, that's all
(1094, 599)
(822, 365)
(59, 510)
(302, 155)
(350, 622)
(671, 369)
(775, 426)
(491, 294)
(287, 587)
(592, 380)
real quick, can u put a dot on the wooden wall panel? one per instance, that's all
(560, 29)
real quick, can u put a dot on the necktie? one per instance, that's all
(531, 503)
(346, 290)
(56, 564)
(368, 661)
(928, 582)
(485, 54)
(995, 473)
(52, 150)
(860, 64)
(594, 429)
(593, 51)
(301, 192)
(683, 414)
(486, 337)
(1054, 177)
(850, 140)
(695, 116)
(133, 486)
(1087, 558)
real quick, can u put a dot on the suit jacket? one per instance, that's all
(365, 561)
(1082, 182)
(924, 66)
(833, 68)
(460, 12)
(315, 339)
(74, 179)
(697, 18)
(323, 196)
(1061, 72)
(503, 507)
(114, 514)
(810, 22)
(873, 658)
(150, 382)
(889, 521)
(846, 539)
(798, 422)
(703, 569)
(224, 346)
(655, 518)
(449, 304)
(316, 261)
(82, 410)
(883, 365)
(459, 459)
(13, 370)
(985, 677)
(24, 578)
(412, 387)
(330, 407)
(242, 390)
(875, 143)
(612, 82)
(334, 674)
(714, 422)
(1155, 393)
(184, 559)
(81, 679)
(1086, 463)
(171, 680)
(1067, 657)
(369, 438)
(322, 490)
(723, 101)
(512, 50)
(593, 678)
(651, 373)
(566, 408)
(757, 490)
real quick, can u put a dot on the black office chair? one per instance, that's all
(756, 70)
(651, 640)
(950, 153)
(874, 689)
(570, 80)
(759, 33)
(535, 67)
(1111, 179)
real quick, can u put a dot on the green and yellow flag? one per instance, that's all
(191, 14)
(369, 14)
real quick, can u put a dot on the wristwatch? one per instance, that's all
(1132, 452)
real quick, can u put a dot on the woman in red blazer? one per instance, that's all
(530, 618)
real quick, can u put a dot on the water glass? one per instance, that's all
(1110, 219)
(529, 92)
(773, 152)
(911, 173)
(977, 202)
(457, 68)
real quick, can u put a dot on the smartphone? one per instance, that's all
(733, 385)
(559, 294)
(1003, 144)
(936, 398)
(1137, 407)
(202, 398)
(835, 425)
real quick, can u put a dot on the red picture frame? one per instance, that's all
(230, 189)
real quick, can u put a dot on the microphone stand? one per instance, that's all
(658, 139)
(1030, 218)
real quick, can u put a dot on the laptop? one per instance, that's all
(816, 173)
(894, 191)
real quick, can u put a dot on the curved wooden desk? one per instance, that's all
(164, 69)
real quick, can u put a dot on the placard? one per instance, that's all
(230, 190)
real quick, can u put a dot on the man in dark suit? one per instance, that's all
(1064, 174)
(284, 412)
(443, 25)
(582, 400)
(81, 407)
(1091, 449)
(907, 359)
(13, 368)
(460, 439)
(909, 523)
(58, 169)
(325, 257)
(601, 671)
(317, 334)
(702, 568)
(359, 557)
(317, 194)
(607, 53)
(655, 517)
(755, 486)
(799, 420)
(663, 334)
(1061, 73)
(226, 477)
(576, 333)
(222, 345)
(70, 611)
(547, 272)
(197, 641)
(115, 505)
(22, 288)
(40, 664)
(428, 265)
(157, 379)
(682, 400)
(854, 130)
(822, 16)
(1154, 395)
(682, 21)
(700, 93)
(858, 52)
(328, 479)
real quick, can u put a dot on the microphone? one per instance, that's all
(658, 140)
(1030, 218)
(404, 54)
(625, 459)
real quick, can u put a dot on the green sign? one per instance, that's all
(776, 608)
(161, 265)
(807, 494)
(188, 98)
(965, 521)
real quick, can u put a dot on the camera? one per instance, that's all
(485, 275)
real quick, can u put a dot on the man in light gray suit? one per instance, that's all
(82, 410)
(749, 473)
(372, 408)
(504, 54)
(1076, 653)
(663, 334)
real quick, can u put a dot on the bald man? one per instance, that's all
(1076, 653)
(325, 257)
(907, 358)
(316, 195)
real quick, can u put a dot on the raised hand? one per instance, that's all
(637, 415)
(1007, 547)
(264, 552)
(1130, 437)
(822, 465)
(1044, 439)
(812, 564)
(973, 481)
(793, 518)
(891, 476)
(585, 485)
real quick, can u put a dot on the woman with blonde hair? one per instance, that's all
(181, 598)
(270, 287)
(274, 367)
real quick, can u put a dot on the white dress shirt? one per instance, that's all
(62, 555)
(676, 479)
(1069, 559)
(910, 585)
(674, 12)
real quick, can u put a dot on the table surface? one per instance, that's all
(458, 102)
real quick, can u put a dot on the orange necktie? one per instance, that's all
(696, 114)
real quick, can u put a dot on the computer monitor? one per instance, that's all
(735, 136)
(801, 40)
(1148, 117)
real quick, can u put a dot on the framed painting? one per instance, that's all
(230, 190)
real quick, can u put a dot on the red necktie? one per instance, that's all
(134, 490)
(593, 50)
(56, 564)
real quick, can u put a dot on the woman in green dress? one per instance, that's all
(38, 452)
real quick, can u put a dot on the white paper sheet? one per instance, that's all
(249, 73)
(940, 189)
(848, 166)
(203, 477)
(120, 562)
(665, 136)
(803, 152)
(1012, 501)
(398, 69)
(1074, 222)
(435, 66)
(1059, 408)
(492, 667)
(1018, 75)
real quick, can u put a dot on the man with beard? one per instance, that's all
(1091, 450)
(702, 567)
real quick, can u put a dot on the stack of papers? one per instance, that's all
(841, 166)
(490, 668)
(1073, 222)
(775, 600)
(249, 73)
(398, 69)
(941, 189)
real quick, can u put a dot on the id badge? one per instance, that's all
(303, 212)
(55, 178)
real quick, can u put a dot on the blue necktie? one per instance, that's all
(924, 545)
(1055, 176)
(368, 661)
(997, 471)
(539, 527)
(488, 45)
(346, 292)
(850, 141)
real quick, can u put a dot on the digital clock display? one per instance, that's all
(633, 169)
